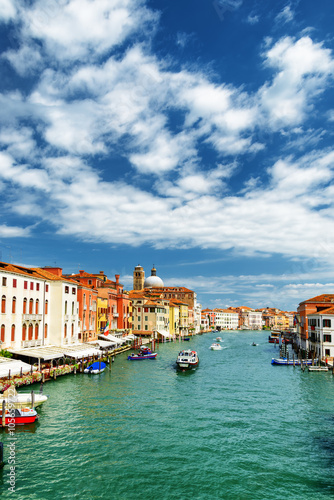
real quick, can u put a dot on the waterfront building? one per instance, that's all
(210, 317)
(321, 333)
(174, 318)
(305, 308)
(150, 315)
(102, 313)
(226, 319)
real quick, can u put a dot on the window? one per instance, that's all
(46, 288)
(67, 289)
(31, 306)
(72, 308)
(327, 338)
(36, 331)
(24, 306)
(89, 282)
(2, 333)
(146, 309)
(46, 331)
(146, 318)
(30, 332)
(37, 286)
(14, 283)
(4, 281)
(46, 307)
(146, 327)
(3, 304)
(327, 352)
(326, 323)
(14, 305)
(65, 306)
(37, 306)
(24, 331)
(31, 286)
(12, 338)
(72, 330)
(74, 291)
(65, 330)
(25, 285)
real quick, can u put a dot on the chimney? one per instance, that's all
(117, 278)
(81, 273)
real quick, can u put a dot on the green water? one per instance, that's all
(235, 428)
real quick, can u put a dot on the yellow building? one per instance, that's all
(174, 319)
(102, 313)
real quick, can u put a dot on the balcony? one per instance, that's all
(32, 317)
(115, 315)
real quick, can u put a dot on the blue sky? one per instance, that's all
(196, 136)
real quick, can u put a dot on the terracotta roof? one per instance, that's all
(328, 311)
(326, 297)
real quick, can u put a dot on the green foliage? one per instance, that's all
(5, 354)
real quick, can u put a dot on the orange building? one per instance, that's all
(310, 306)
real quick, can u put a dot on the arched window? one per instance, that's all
(36, 331)
(24, 331)
(37, 306)
(12, 338)
(2, 333)
(30, 332)
(65, 306)
(24, 306)
(31, 306)
(65, 330)
(72, 308)
(3, 304)
(14, 305)
(46, 307)
(72, 333)
(46, 331)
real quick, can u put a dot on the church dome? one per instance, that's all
(153, 281)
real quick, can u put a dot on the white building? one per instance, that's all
(321, 333)
(226, 319)
(252, 320)
(36, 309)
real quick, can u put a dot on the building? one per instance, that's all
(226, 319)
(321, 333)
(305, 308)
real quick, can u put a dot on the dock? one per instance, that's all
(317, 368)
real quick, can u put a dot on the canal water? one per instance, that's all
(235, 428)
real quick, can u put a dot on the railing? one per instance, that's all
(32, 317)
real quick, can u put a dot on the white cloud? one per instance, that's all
(286, 15)
(7, 10)
(13, 231)
(25, 60)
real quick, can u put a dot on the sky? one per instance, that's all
(195, 136)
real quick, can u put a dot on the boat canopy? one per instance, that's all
(97, 365)
(14, 366)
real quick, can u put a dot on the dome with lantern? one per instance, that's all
(153, 281)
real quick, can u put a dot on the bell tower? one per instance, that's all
(138, 278)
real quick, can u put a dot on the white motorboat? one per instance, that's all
(21, 400)
(187, 359)
(219, 339)
(216, 347)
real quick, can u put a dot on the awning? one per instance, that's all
(164, 333)
(14, 365)
(112, 339)
(103, 344)
(48, 353)
(130, 337)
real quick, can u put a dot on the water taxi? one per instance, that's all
(187, 360)
(144, 353)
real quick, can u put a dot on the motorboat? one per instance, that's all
(144, 353)
(216, 347)
(95, 368)
(289, 361)
(21, 400)
(187, 360)
(254, 344)
(19, 416)
(219, 339)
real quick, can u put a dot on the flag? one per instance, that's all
(106, 329)
(295, 321)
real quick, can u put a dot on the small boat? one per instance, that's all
(19, 416)
(215, 347)
(144, 353)
(254, 344)
(94, 368)
(219, 339)
(288, 361)
(187, 360)
(16, 400)
(186, 338)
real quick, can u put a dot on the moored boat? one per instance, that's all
(21, 400)
(187, 360)
(288, 361)
(19, 416)
(144, 353)
(95, 368)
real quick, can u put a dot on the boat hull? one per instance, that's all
(186, 366)
(145, 356)
(20, 417)
(284, 361)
